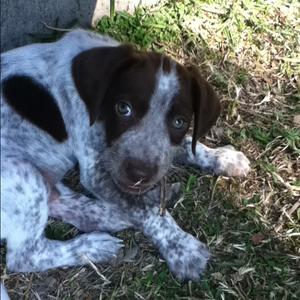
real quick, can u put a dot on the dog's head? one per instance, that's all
(146, 102)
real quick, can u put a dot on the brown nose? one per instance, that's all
(138, 170)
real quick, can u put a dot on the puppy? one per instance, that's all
(122, 115)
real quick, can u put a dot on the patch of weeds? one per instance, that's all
(60, 231)
(155, 284)
(289, 136)
(260, 135)
(294, 100)
(142, 29)
(267, 166)
(191, 183)
(292, 138)
(253, 200)
(242, 76)
(232, 108)
(219, 79)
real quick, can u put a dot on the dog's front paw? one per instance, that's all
(231, 163)
(187, 258)
(99, 247)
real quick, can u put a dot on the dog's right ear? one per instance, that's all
(93, 71)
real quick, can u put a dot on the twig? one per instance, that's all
(56, 28)
(26, 296)
(212, 196)
(291, 188)
(112, 9)
(95, 268)
(212, 10)
(162, 207)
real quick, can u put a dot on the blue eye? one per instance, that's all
(178, 122)
(123, 109)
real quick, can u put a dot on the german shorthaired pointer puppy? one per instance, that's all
(122, 115)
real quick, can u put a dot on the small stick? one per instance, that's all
(162, 206)
(94, 267)
(55, 28)
(112, 9)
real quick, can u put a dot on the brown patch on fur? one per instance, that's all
(207, 106)
(135, 85)
(166, 64)
(93, 71)
(182, 105)
(195, 97)
(34, 103)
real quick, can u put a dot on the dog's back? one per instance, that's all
(33, 79)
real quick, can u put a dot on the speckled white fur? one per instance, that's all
(33, 164)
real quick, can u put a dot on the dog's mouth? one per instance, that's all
(134, 189)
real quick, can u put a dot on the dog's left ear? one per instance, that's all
(206, 105)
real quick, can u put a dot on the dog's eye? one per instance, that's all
(178, 122)
(123, 109)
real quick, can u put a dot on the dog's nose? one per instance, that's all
(139, 171)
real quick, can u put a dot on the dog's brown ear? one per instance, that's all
(93, 71)
(206, 105)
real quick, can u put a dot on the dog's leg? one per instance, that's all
(224, 161)
(88, 214)
(24, 213)
(4, 295)
(111, 214)
(185, 255)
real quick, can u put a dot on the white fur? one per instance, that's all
(33, 164)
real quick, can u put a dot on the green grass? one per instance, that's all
(288, 136)
(250, 52)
